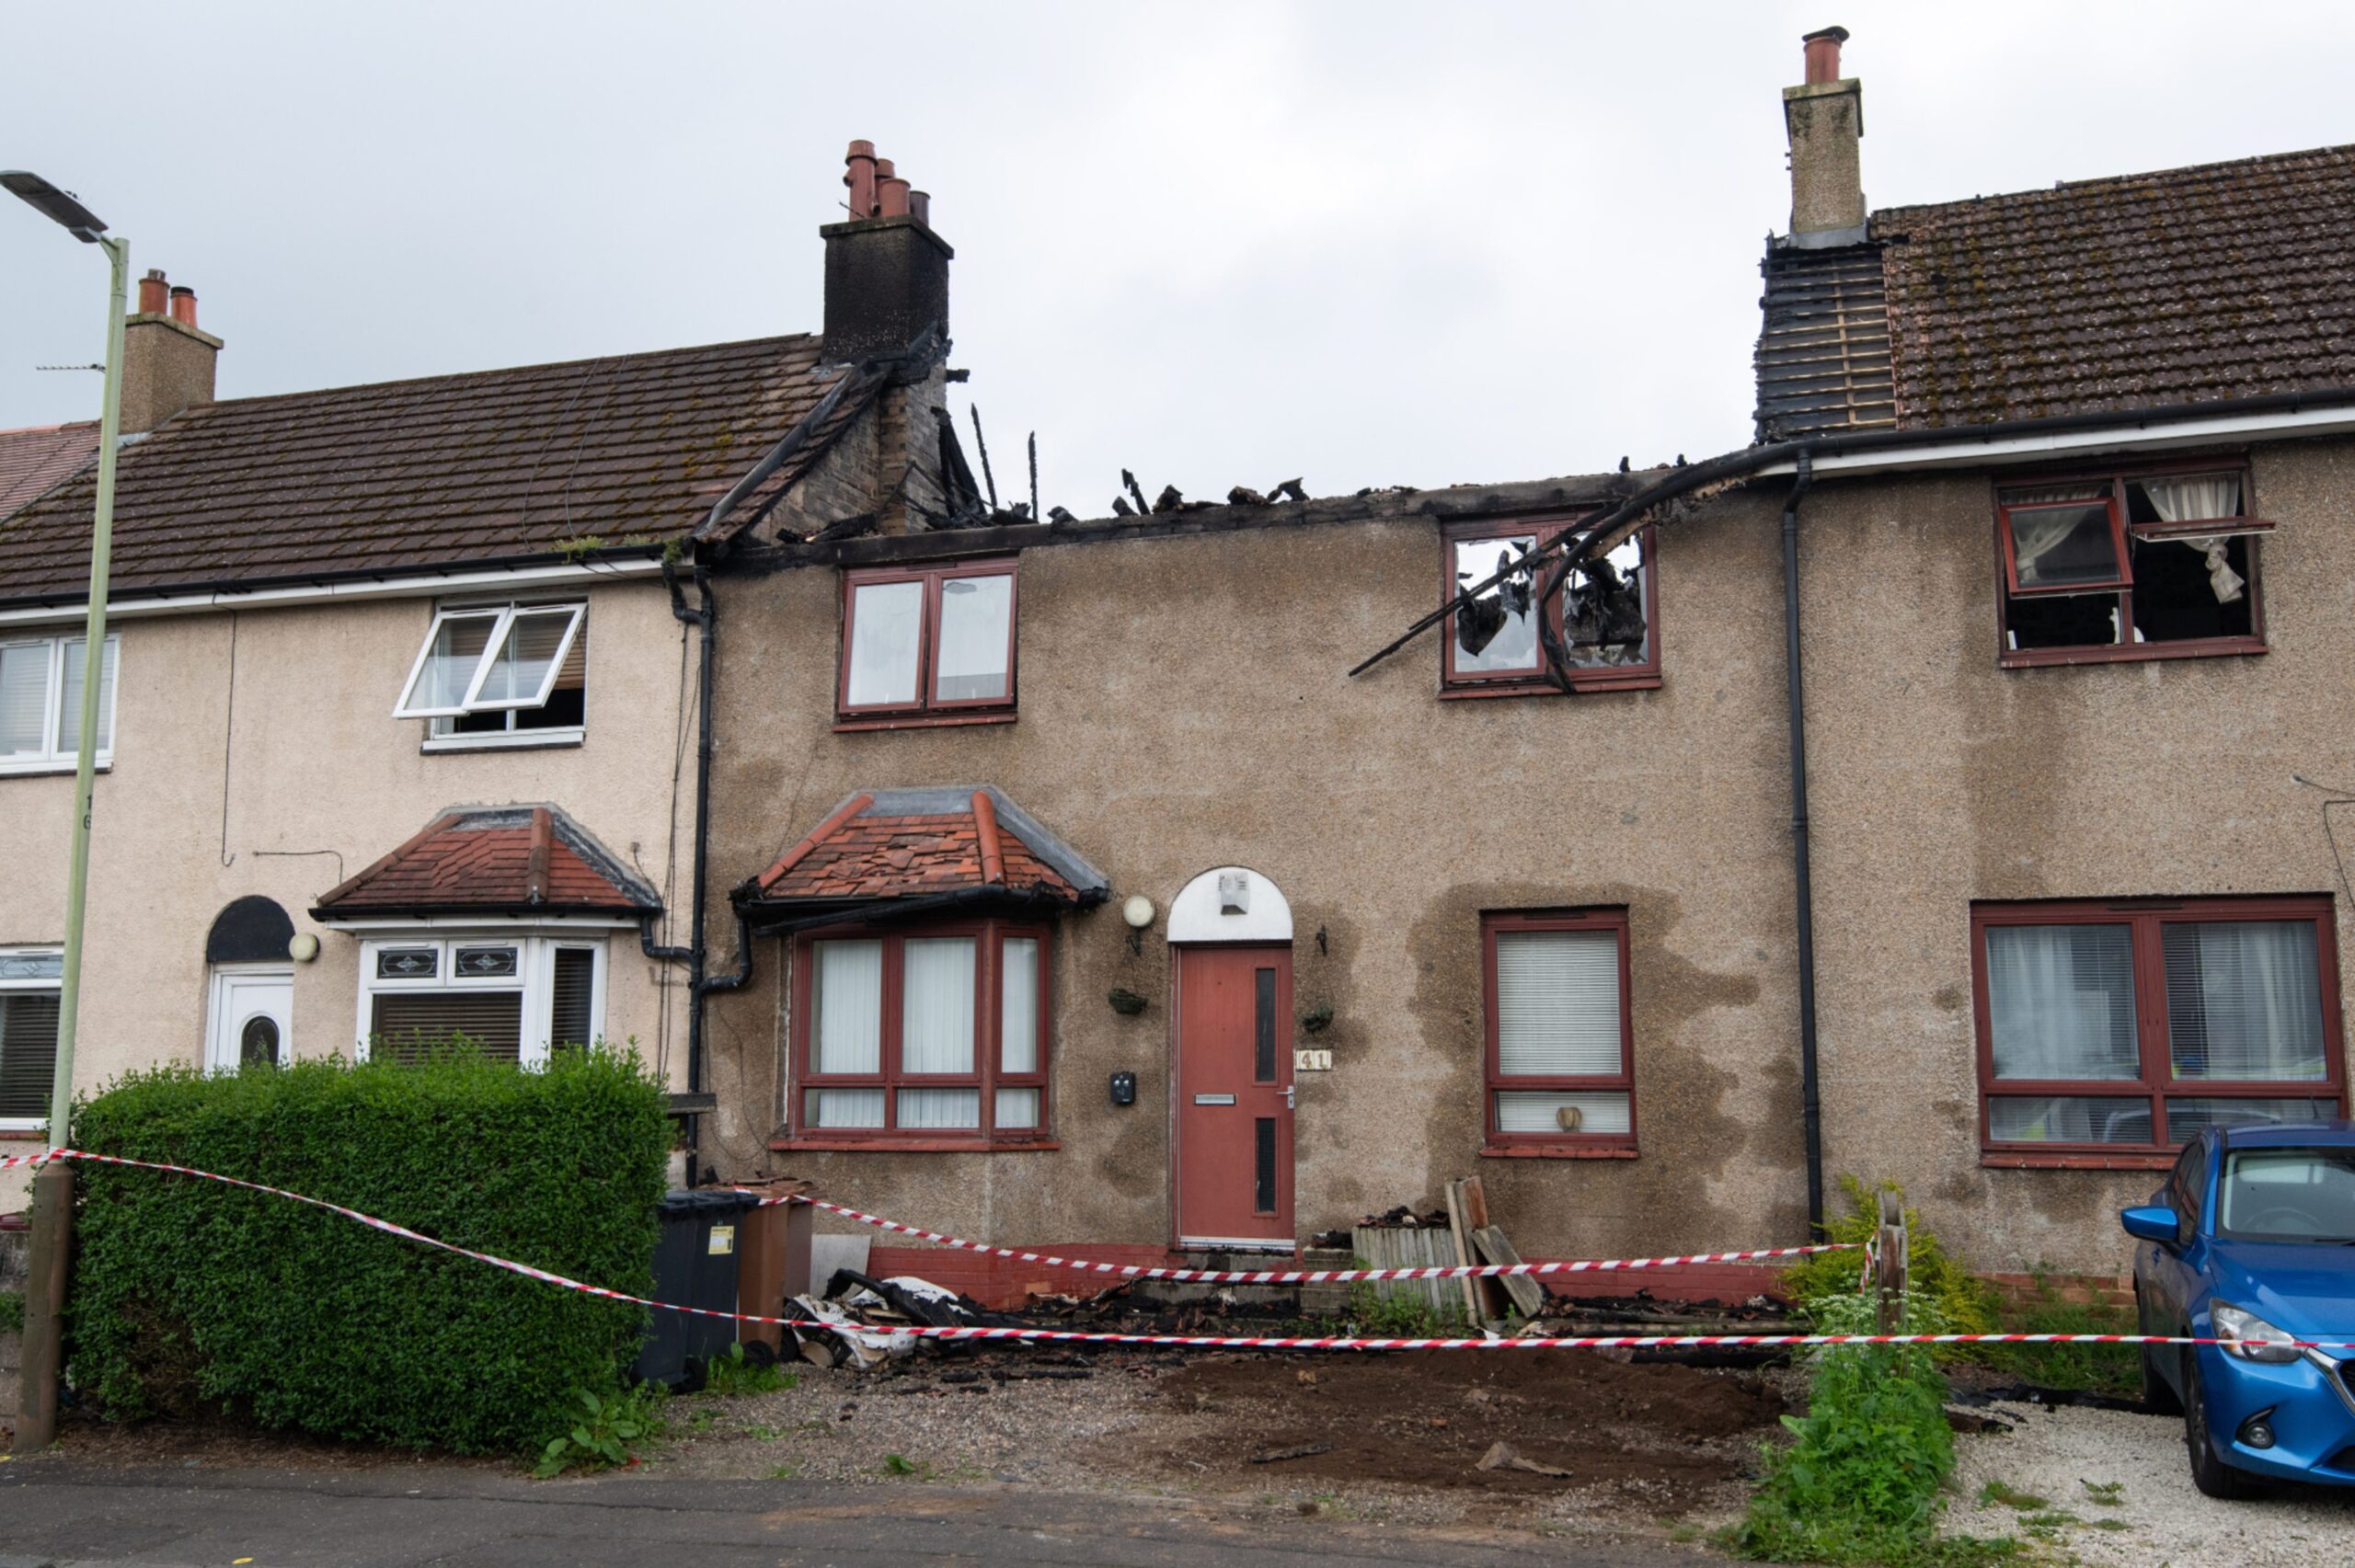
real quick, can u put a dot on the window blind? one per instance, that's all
(24, 699)
(849, 1035)
(405, 1026)
(571, 997)
(27, 1051)
(2244, 1001)
(1018, 1008)
(1557, 1004)
(936, 1005)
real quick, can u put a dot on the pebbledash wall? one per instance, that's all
(1184, 705)
(199, 809)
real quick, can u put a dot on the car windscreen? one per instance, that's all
(2288, 1194)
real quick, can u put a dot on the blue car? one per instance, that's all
(2252, 1242)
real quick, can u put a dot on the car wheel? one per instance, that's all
(2210, 1473)
(2157, 1392)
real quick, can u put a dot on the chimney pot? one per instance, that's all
(183, 304)
(859, 175)
(920, 207)
(891, 197)
(152, 290)
(1823, 55)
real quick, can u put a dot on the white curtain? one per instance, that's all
(845, 1108)
(2244, 1001)
(2060, 1002)
(1557, 1004)
(1018, 1008)
(1017, 1109)
(849, 1030)
(936, 1006)
(939, 1108)
(2196, 500)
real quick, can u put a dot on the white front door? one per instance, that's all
(251, 1017)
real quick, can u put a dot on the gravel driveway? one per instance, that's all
(2054, 1453)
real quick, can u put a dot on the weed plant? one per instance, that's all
(12, 1312)
(604, 1430)
(735, 1374)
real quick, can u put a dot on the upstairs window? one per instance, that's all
(931, 1037)
(932, 644)
(1560, 1069)
(2128, 566)
(1604, 615)
(2127, 1028)
(40, 703)
(494, 674)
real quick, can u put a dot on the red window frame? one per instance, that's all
(988, 1077)
(1517, 682)
(1557, 1145)
(2249, 522)
(2145, 920)
(926, 708)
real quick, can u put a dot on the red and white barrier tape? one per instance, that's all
(1208, 1342)
(1301, 1276)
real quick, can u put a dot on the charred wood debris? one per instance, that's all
(866, 1319)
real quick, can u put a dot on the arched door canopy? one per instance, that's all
(1231, 903)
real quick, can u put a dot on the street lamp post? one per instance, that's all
(53, 1182)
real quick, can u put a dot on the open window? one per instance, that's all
(2145, 565)
(928, 645)
(1604, 616)
(921, 1037)
(489, 674)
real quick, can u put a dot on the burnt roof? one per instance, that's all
(444, 472)
(33, 459)
(2186, 285)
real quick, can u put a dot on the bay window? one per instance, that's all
(930, 644)
(925, 1037)
(1560, 1071)
(516, 997)
(2118, 1028)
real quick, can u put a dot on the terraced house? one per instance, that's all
(1092, 898)
(400, 730)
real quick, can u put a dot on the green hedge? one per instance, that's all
(188, 1295)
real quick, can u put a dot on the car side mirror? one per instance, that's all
(2152, 1222)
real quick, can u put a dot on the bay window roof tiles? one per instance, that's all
(887, 844)
(505, 859)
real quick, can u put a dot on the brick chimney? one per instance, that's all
(1825, 118)
(166, 362)
(887, 272)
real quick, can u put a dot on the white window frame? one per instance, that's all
(36, 984)
(535, 977)
(49, 759)
(474, 701)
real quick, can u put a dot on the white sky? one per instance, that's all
(1360, 243)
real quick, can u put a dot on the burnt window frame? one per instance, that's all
(1545, 528)
(926, 710)
(1556, 1145)
(2145, 920)
(989, 1076)
(2126, 532)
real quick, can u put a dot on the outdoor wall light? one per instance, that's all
(1137, 911)
(302, 947)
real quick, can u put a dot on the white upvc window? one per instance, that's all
(500, 674)
(41, 703)
(518, 996)
(31, 980)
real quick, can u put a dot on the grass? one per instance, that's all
(2105, 1494)
(2112, 1370)
(900, 1464)
(736, 1374)
(2011, 1497)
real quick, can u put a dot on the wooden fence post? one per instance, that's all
(1891, 1265)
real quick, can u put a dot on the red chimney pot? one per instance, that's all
(184, 305)
(859, 175)
(1823, 55)
(152, 290)
(892, 196)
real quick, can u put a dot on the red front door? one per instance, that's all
(1234, 1087)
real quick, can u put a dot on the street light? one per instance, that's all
(53, 1182)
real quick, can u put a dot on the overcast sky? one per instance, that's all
(1359, 243)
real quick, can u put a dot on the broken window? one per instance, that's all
(1560, 1072)
(927, 641)
(500, 674)
(924, 1035)
(2104, 1025)
(1601, 617)
(2128, 566)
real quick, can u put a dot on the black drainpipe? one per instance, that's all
(702, 617)
(1811, 1100)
